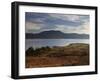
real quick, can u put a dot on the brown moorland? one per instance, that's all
(74, 54)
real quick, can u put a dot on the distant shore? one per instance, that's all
(71, 55)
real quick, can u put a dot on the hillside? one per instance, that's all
(56, 35)
(71, 55)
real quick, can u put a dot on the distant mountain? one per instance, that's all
(56, 35)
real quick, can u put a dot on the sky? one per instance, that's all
(67, 23)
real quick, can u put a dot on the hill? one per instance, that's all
(56, 35)
(72, 55)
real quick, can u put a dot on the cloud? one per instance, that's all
(84, 28)
(31, 27)
(37, 22)
(65, 17)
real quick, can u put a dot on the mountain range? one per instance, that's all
(53, 34)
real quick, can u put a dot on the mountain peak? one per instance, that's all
(51, 31)
(55, 34)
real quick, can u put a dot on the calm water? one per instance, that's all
(37, 43)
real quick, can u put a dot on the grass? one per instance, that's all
(72, 55)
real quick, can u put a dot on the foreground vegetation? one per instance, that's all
(71, 55)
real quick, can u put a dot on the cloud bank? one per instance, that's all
(67, 23)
